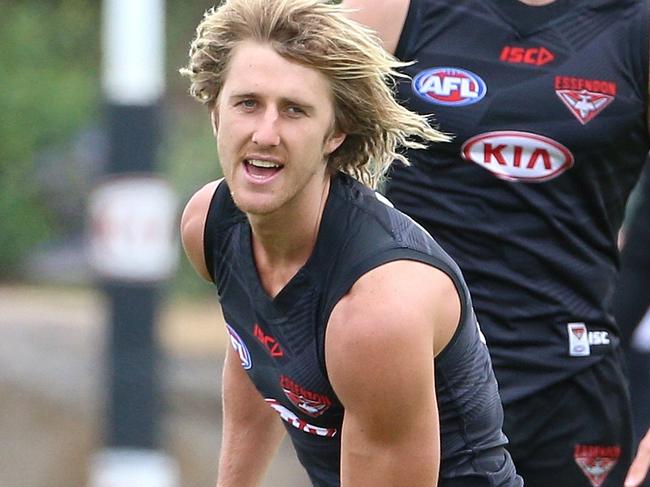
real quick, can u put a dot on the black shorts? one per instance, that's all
(577, 433)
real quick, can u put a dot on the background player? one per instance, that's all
(547, 105)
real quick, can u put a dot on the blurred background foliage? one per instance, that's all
(52, 142)
(49, 91)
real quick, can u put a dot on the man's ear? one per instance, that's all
(334, 141)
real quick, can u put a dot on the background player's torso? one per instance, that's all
(549, 123)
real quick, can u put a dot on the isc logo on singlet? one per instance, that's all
(449, 86)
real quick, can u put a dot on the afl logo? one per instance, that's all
(518, 156)
(449, 86)
(240, 347)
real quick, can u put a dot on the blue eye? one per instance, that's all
(294, 110)
(248, 104)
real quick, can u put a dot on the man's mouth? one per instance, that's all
(261, 169)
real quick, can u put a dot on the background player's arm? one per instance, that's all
(192, 227)
(640, 465)
(379, 351)
(252, 431)
(385, 17)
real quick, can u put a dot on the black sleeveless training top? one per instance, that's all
(547, 108)
(280, 341)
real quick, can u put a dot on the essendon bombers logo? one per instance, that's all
(596, 461)
(585, 98)
(298, 423)
(310, 403)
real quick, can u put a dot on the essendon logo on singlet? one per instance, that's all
(311, 403)
(449, 86)
(585, 98)
(518, 156)
(596, 461)
(534, 56)
(298, 423)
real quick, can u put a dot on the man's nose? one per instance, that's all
(266, 132)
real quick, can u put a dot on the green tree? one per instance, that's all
(49, 79)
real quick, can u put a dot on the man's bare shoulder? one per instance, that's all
(391, 308)
(380, 337)
(193, 225)
(385, 17)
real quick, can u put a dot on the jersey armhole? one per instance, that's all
(209, 235)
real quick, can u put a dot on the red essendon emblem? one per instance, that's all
(311, 403)
(596, 461)
(585, 98)
(584, 105)
(578, 332)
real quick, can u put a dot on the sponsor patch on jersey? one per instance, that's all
(309, 402)
(518, 156)
(534, 56)
(291, 418)
(449, 86)
(240, 347)
(596, 461)
(578, 340)
(270, 343)
(581, 340)
(585, 98)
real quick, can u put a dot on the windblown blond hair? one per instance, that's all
(317, 34)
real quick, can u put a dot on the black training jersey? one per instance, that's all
(547, 109)
(280, 341)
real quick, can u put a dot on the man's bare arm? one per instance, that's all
(641, 464)
(385, 17)
(252, 431)
(379, 354)
(192, 227)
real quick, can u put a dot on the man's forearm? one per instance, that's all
(386, 464)
(245, 455)
(252, 431)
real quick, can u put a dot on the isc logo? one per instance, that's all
(518, 156)
(535, 56)
(449, 86)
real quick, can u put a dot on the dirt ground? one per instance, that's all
(52, 394)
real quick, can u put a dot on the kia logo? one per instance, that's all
(518, 156)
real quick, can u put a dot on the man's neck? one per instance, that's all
(283, 242)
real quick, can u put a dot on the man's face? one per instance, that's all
(273, 122)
